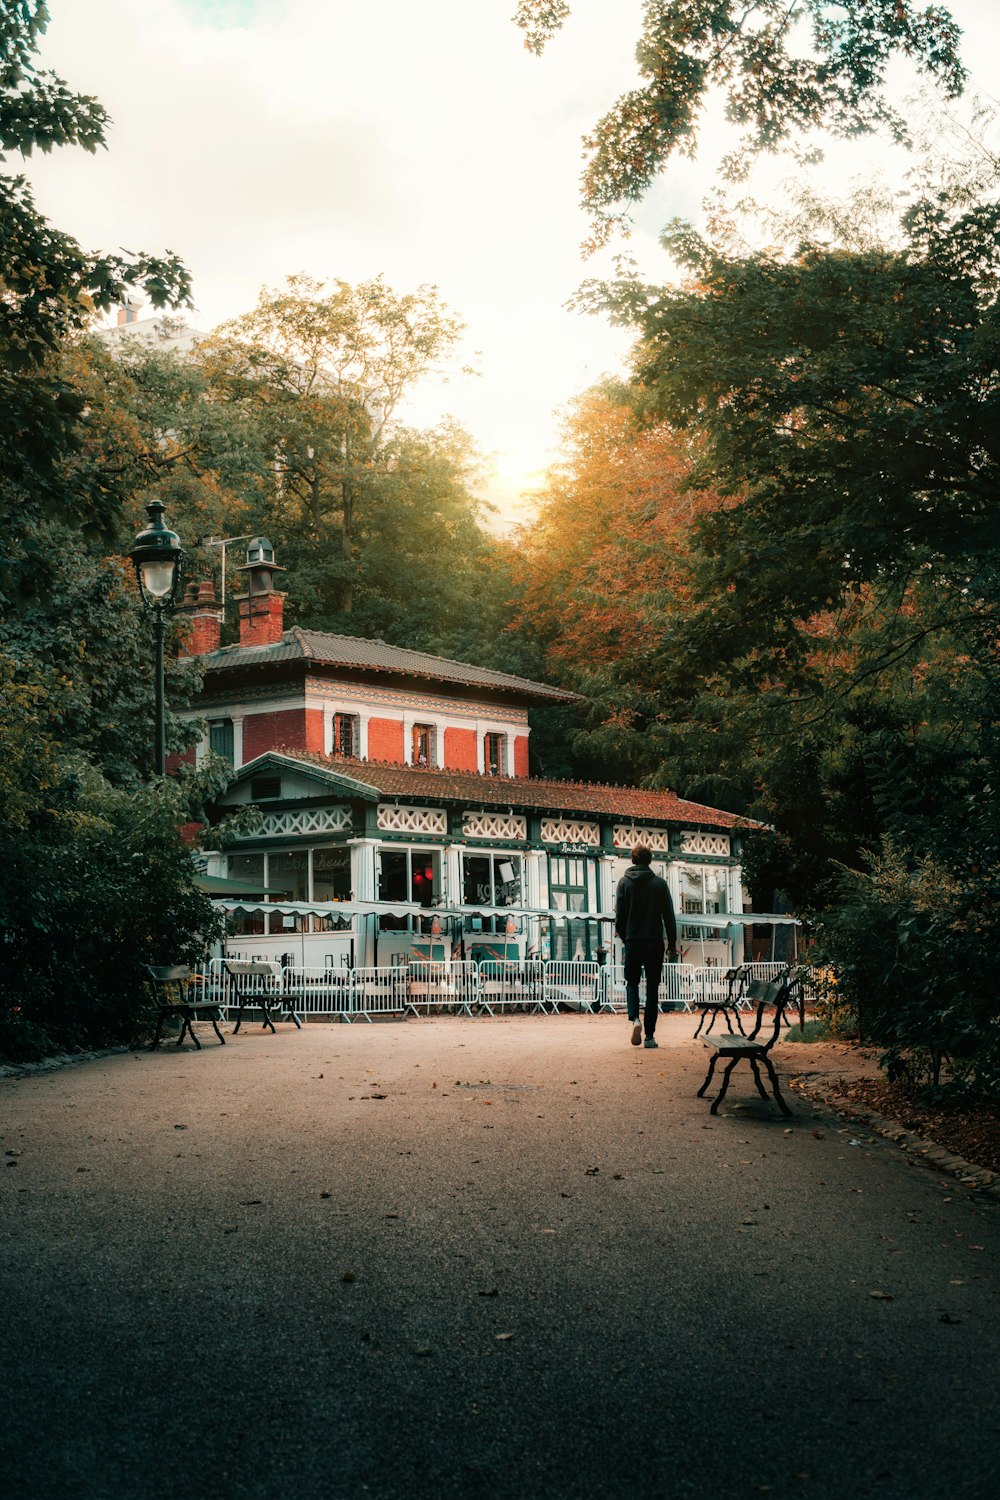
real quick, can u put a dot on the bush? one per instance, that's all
(912, 945)
(97, 883)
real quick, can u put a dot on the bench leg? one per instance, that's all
(725, 1084)
(186, 1025)
(159, 1031)
(701, 1024)
(708, 1079)
(769, 1065)
(762, 1091)
(267, 1022)
(736, 1017)
(239, 1018)
(215, 1025)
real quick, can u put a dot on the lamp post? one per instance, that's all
(156, 556)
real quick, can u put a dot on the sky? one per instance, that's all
(413, 138)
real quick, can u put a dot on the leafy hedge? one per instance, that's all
(913, 946)
(97, 882)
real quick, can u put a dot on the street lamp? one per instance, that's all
(156, 556)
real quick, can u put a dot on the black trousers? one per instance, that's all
(643, 957)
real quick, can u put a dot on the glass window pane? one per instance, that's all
(289, 874)
(422, 866)
(248, 867)
(715, 891)
(477, 883)
(331, 875)
(343, 734)
(507, 879)
(692, 897)
(393, 881)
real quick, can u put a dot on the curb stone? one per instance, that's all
(979, 1179)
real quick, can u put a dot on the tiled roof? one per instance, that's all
(375, 656)
(392, 780)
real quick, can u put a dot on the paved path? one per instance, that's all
(499, 1258)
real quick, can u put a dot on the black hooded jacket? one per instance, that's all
(643, 908)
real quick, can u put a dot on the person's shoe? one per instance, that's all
(636, 1033)
(651, 1042)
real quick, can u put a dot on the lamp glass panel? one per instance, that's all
(158, 577)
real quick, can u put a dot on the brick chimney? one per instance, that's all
(262, 608)
(203, 626)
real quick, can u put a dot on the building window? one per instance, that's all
(345, 735)
(569, 939)
(300, 875)
(410, 875)
(493, 754)
(220, 738)
(331, 874)
(265, 788)
(703, 889)
(423, 745)
(491, 880)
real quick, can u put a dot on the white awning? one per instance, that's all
(715, 921)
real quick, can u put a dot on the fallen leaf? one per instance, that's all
(881, 1296)
(502, 1338)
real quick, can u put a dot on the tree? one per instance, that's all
(849, 402)
(50, 289)
(785, 66)
(604, 564)
(89, 870)
(320, 370)
(837, 672)
(50, 286)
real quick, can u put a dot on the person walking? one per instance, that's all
(644, 913)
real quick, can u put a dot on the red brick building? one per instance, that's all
(396, 804)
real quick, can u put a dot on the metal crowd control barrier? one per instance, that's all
(572, 982)
(507, 982)
(485, 987)
(683, 986)
(434, 986)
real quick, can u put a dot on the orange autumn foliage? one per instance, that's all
(606, 556)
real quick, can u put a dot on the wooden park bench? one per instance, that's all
(176, 997)
(755, 1047)
(257, 985)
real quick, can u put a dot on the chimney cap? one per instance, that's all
(260, 550)
(260, 563)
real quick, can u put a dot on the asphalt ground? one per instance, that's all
(508, 1257)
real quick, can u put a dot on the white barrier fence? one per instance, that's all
(474, 988)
